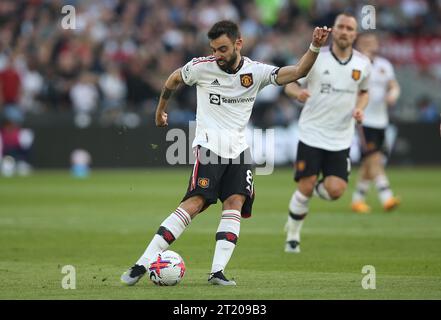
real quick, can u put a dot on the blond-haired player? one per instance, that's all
(336, 95)
(384, 91)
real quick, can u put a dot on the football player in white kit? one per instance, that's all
(384, 92)
(227, 84)
(336, 95)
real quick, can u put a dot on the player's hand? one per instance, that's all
(358, 115)
(320, 35)
(303, 95)
(161, 119)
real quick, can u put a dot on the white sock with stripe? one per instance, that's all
(360, 191)
(226, 239)
(383, 188)
(170, 229)
(298, 209)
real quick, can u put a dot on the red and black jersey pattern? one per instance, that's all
(203, 59)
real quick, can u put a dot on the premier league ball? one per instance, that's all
(167, 270)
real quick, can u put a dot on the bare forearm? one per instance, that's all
(292, 90)
(362, 100)
(393, 93)
(305, 64)
(163, 99)
(170, 86)
(292, 73)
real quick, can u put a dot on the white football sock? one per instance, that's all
(360, 191)
(298, 203)
(383, 188)
(298, 208)
(226, 238)
(171, 228)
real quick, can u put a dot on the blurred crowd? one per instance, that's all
(112, 66)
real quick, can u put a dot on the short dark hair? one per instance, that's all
(229, 28)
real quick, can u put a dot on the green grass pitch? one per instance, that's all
(102, 224)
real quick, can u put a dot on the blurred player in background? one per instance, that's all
(336, 93)
(384, 91)
(227, 84)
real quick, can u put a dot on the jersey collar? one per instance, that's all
(236, 69)
(343, 63)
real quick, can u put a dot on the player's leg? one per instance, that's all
(307, 169)
(374, 156)
(172, 228)
(169, 230)
(359, 195)
(298, 209)
(331, 187)
(236, 188)
(200, 194)
(371, 142)
(385, 194)
(336, 168)
(227, 235)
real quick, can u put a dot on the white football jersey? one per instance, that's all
(326, 120)
(225, 101)
(376, 114)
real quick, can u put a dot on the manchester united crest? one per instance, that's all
(246, 80)
(356, 74)
(300, 165)
(203, 182)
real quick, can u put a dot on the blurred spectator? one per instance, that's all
(113, 88)
(10, 86)
(66, 73)
(84, 94)
(427, 110)
(148, 39)
(139, 90)
(32, 87)
(16, 144)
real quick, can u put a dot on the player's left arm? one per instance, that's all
(363, 94)
(289, 74)
(361, 104)
(393, 92)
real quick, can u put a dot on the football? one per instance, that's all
(168, 269)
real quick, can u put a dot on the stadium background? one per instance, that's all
(107, 73)
(96, 87)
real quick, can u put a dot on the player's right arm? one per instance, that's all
(293, 90)
(171, 84)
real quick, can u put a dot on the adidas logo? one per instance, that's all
(326, 72)
(215, 83)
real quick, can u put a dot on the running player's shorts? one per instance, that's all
(373, 141)
(312, 161)
(214, 177)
